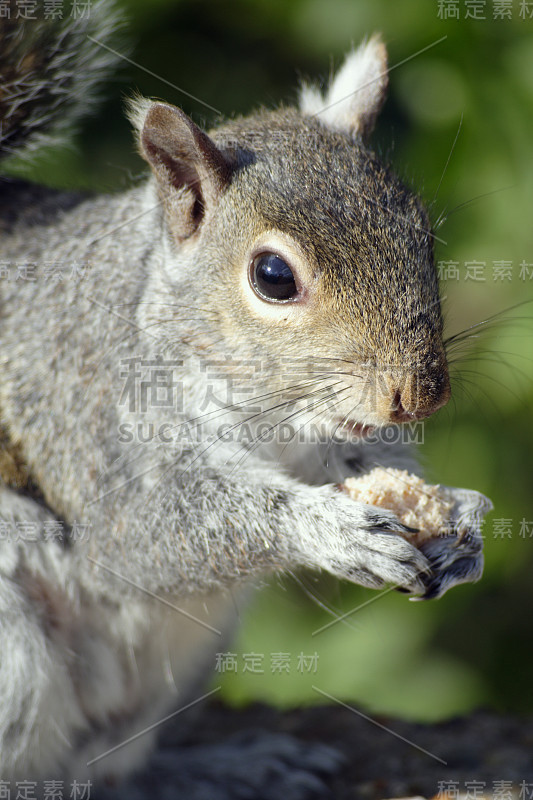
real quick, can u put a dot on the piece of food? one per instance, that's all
(447, 521)
(417, 504)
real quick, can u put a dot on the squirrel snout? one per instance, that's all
(418, 396)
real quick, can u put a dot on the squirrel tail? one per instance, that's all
(52, 71)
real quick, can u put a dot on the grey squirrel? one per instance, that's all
(276, 251)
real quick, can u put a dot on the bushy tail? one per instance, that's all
(51, 73)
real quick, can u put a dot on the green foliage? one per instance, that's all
(473, 646)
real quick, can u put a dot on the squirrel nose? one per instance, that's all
(400, 414)
(420, 399)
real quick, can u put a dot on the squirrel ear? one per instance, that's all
(191, 171)
(355, 94)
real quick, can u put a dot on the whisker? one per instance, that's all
(473, 200)
(334, 613)
(496, 381)
(340, 425)
(220, 412)
(447, 162)
(258, 441)
(494, 357)
(483, 322)
(319, 413)
(161, 304)
(219, 438)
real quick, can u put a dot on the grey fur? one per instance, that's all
(86, 652)
(35, 111)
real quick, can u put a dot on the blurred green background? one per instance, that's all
(474, 647)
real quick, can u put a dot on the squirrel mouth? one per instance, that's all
(356, 429)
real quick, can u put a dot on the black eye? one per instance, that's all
(272, 277)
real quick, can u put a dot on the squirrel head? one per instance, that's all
(304, 251)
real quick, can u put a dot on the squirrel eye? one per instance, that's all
(272, 278)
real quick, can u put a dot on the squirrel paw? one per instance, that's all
(371, 551)
(457, 557)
